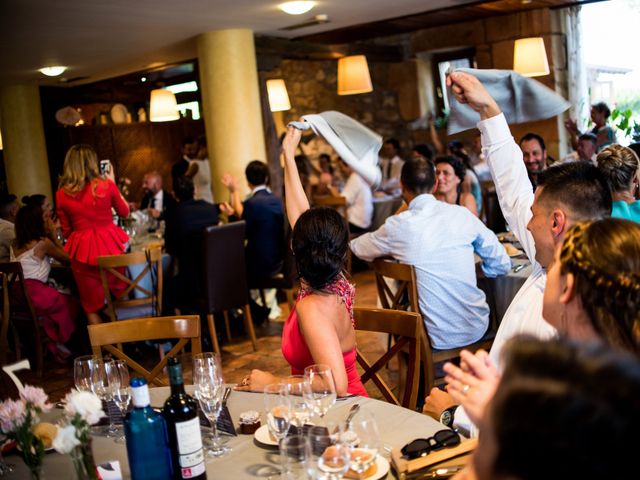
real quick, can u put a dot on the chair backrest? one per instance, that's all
(225, 269)
(406, 327)
(107, 337)
(14, 367)
(338, 203)
(143, 280)
(396, 284)
(15, 299)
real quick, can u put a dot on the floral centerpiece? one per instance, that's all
(17, 419)
(82, 409)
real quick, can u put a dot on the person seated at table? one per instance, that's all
(604, 133)
(440, 241)
(320, 328)
(391, 166)
(450, 173)
(34, 250)
(566, 194)
(156, 201)
(422, 150)
(622, 168)
(562, 410)
(585, 151)
(83, 204)
(8, 209)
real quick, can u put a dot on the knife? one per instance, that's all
(435, 472)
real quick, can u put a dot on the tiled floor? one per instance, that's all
(238, 357)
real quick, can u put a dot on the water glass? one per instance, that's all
(122, 393)
(319, 389)
(300, 411)
(82, 367)
(104, 381)
(295, 453)
(277, 410)
(330, 456)
(364, 441)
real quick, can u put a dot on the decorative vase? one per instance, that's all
(83, 462)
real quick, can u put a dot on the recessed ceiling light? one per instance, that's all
(52, 71)
(143, 79)
(297, 7)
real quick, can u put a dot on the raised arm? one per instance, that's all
(231, 183)
(296, 201)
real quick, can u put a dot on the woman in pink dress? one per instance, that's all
(320, 328)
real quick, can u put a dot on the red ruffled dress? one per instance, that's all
(296, 351)
(87, 224)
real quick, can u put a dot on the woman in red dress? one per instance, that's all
(83, 204)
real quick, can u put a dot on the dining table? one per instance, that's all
(248, 458)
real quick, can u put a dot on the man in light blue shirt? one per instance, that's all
(439, 240)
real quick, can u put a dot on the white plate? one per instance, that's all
(381, 471)
(262, 436)
(119, 113)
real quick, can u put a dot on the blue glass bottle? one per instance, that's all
(147, 439)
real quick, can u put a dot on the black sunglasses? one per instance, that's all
(422, 446)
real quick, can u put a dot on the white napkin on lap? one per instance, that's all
(356, 144)
(521, 99)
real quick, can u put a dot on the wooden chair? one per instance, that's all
(407, 328)
(19, 315)
(107, 337)
(338, 203)
(139, 299)
(405, 297)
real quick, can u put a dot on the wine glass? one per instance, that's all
(277, 410)
(319, 389)
(364, 441)
(300, 411)
(295, 453)
(330, 455)
(82, 367)
(122, 393)
(104, 381)
(207, 378)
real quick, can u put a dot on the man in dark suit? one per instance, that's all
(156, 200)
(181, 167)
(264, 216)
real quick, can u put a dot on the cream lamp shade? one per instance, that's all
(163, 106)
(278, 97)
(353, 75)
(530, 57)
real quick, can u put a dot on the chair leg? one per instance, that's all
(213, 333)
(226, 324)
(248, 323)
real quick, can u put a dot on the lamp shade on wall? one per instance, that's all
(530, 57)
(353, 75)
(163, 106)
(278, 97)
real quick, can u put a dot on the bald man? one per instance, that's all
(156, 200)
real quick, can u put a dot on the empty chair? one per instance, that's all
(108, 336)
(337, 203)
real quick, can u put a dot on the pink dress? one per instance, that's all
(294, 347)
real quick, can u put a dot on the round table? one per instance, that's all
(249, 460)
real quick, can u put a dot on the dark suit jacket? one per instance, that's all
(179, 169)
(264, 216)
(168, 202)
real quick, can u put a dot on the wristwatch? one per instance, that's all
(446, 417)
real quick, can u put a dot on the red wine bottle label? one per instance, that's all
(190, 454)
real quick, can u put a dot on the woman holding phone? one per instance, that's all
(84, 200)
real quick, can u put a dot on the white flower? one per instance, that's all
(66, 439)
(36, 397)
(85, 404)
(12, 415)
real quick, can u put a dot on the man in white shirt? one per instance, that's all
(390, 166)
(8, 210)
(359, 198)
(439, 240)
(566, 194)
(585, 151)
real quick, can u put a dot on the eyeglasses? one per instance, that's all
(422, 446)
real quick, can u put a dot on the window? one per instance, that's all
(441, 63)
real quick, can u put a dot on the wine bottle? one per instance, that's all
(147, 440)
(183, 424)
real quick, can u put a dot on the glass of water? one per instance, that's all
(277, 410)
(122, 392)
(319, 389)
(82, 367)
(364, 441)
(300, 411)
(295, 454)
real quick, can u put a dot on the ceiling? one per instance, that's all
(100, 39)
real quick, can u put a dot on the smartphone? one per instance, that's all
(105, 167)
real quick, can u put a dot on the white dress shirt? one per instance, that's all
(359, 199)
(440, 240)
(391, 169)
(158, 200)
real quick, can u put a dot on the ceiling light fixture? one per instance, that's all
(353, 75)
(530, 57)
(297, 7)
(52, 71)
(163, 106)
(278, 96)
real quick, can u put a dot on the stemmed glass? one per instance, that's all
(277, 410)
(122, 393)
(82, 368)
(365, 444)
(330, 454)
(207, 378)
(319, 389)
(104, 381)
(300, 411)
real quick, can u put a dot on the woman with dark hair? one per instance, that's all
(43, 202)
(450, 172)
(34, 249)
(621, 166)
(320, 328)
(605, 134)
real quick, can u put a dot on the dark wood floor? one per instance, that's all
(238, 356)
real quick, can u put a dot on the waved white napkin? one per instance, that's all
(521, 99)
(356, 144)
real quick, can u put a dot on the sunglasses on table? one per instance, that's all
(422, 446)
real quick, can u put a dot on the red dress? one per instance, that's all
(296, 351)
(87, 224)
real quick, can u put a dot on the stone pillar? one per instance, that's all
(230, 104)
(25, 154)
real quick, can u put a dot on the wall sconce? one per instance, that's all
(1, 147)
(530, 57)
(163, 106)
(353, 75)
(278, 97)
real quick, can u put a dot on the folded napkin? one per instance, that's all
(356, 144)
(521, 99)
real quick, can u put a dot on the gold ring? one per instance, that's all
(465, 389)
(245, 381)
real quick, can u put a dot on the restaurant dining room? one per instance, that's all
(319, 239)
